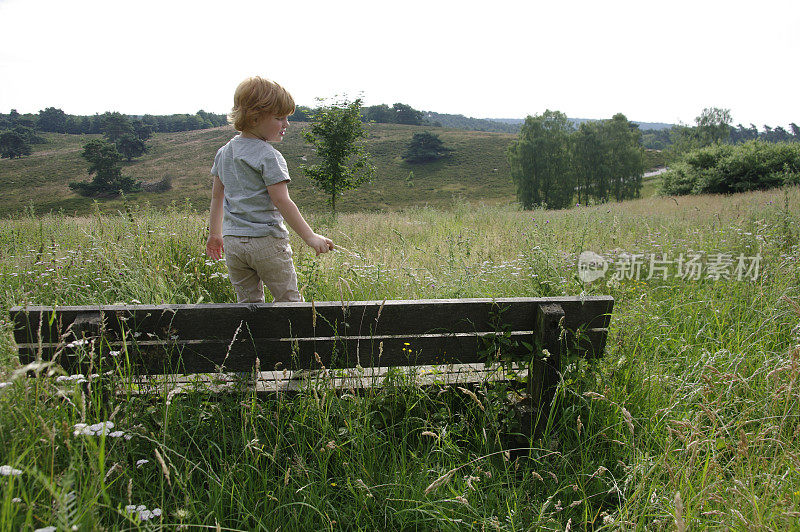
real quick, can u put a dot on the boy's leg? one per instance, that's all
(245, 279)
(272, 259)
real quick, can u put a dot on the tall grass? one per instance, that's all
(689, 421)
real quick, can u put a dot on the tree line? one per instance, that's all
(55, 120)
(714, 124)
(553, 162)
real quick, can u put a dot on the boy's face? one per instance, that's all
(271, 128)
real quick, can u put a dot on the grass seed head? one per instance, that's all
(439, 481)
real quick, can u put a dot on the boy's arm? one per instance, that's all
(279, 194)
(214, 246)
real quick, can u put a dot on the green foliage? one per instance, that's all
(53, 120)
(424, 148)
(130, 146)
(116, 125)
(335, 133)
(13, 145)
(725, 168)
(302, 114)
(712, 126)
(104, 163)
(540, 162)
(405, 114)
(625, 160)
(28, 134)
(399, 113)
(381, 114)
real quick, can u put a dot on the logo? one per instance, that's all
(591, 266)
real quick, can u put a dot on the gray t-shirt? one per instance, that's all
(246, 167)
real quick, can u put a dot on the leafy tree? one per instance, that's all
(142, 131)
(589, 161)
(302, 114)
(130, 146)
(13, 145)
(335, 130)
(540, 161)
(425, 147)
(53, 120)
(625, 159)
(714, 125)
(608, 160)
(381, 114)
(115, 125)
(28, 134)
(104, 163)
(13, 117)
(405, 114)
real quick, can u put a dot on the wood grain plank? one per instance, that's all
(221, 321)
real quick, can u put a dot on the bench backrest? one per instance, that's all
(157, 339)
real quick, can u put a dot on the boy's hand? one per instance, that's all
(214, 247)
(319, 243)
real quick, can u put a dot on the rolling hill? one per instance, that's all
(477, 170)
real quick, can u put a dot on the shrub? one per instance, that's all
(724, 168)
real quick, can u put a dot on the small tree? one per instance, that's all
(130, 146)
(13, 145)
(335, 130)
(104, 162)
(425, 147)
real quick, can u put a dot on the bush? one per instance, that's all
(13, 145)
(725, 169)
(425, 147)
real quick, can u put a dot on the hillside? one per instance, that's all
(477, 170)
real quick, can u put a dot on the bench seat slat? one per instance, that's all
(219, 321)
(199, 356)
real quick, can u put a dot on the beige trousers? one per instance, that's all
(256, 261)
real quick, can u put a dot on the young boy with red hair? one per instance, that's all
(250, 198)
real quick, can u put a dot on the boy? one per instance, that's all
(250, 189)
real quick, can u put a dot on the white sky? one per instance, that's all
(652, 61)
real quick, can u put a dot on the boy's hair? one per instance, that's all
(256, 97)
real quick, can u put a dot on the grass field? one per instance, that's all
(690, 421)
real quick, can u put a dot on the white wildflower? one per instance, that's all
(97, 429)
(142, 511)
(8, 471)
(4, 384)
(16, 500)
(140, 463)
(76, 343)
(78, 378)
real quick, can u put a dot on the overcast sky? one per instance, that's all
(652, 61)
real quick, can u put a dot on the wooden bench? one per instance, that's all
(283, 338)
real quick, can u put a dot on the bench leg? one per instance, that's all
(543, 376)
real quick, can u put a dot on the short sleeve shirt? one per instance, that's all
(246, 168)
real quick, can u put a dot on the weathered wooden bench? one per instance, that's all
(283, 338)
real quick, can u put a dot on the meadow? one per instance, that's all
(476, 169)
(690, 421)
